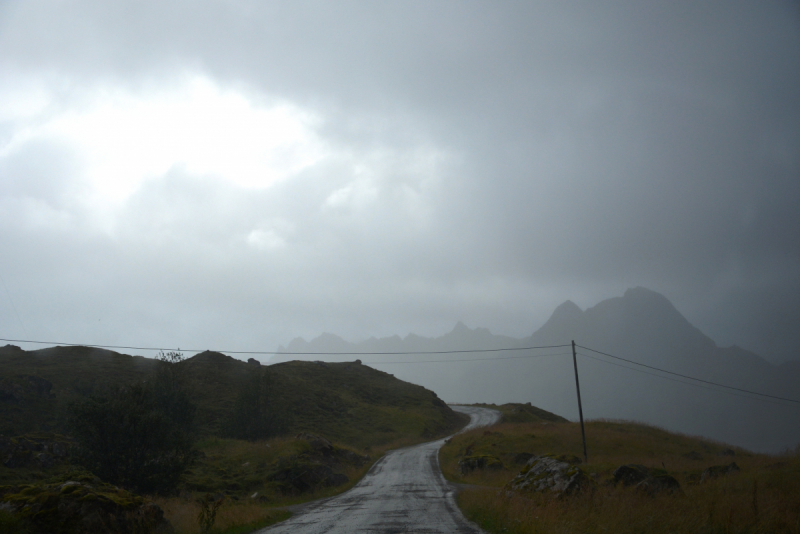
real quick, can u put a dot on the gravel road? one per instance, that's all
(404, 492)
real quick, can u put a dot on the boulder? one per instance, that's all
(318, 443)
(82, 506)
(716, 471)
(631, 474)
(548, 474)
(481, 461)
(659, 484)
(646, 480)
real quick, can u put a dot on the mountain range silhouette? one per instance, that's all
(642, 326)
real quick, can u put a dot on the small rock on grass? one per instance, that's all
(716, 471)
(551, 474)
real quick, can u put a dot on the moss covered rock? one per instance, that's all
(83, 505)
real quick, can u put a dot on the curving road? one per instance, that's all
(403, 492)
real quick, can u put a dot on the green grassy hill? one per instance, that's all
(346, 402)
(359, 413)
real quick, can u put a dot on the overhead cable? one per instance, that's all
(351, 353)
(527, 356)
(690, 377)
(693, 384)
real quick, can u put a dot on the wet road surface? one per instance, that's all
(404, 492)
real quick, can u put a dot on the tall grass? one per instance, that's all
(763, 497)
(232, 517)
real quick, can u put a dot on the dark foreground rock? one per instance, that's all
(480, 461)
(549, 474)
(316, 468)
(631, 474)
(34, 450)
(716, 471)
(647, 480)
(81, 506)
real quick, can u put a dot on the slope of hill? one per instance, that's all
(347, 402)
(643, 326)
(713, 487)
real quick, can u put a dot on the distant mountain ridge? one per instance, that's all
(643, 326)
(461, 335)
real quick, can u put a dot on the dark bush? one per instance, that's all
(255, 414)
(139, 436)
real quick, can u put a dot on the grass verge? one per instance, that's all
(232, 517)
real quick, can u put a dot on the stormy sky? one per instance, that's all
(231, 175)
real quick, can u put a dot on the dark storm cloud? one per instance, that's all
(580, 148)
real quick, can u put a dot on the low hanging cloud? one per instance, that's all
(234, 175)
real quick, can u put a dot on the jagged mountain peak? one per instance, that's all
(566, 323)
(649, 317)
(460, 328)
(567, 309)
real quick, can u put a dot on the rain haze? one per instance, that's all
(233, 175)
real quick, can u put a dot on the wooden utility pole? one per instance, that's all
(580, 408)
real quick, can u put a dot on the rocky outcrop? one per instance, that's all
(646, 480)
(18, 389)
(318, 443)
(315, 468)
(37, 451)
(549, 474)
(716, 471)
(303, 477)
(481, 461)
(85, 505)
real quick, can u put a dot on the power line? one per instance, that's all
(409, 353)
(353, 353)
(691, 377)
(682, 382)
(473, 359)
